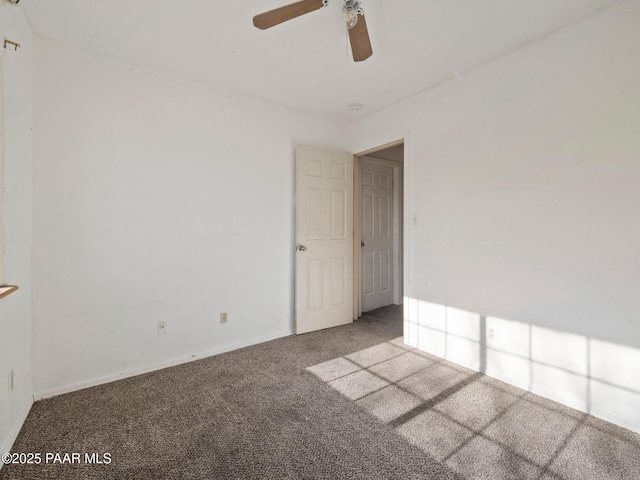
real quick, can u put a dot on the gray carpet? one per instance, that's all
(349, 402)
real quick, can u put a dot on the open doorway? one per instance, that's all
(378, 227)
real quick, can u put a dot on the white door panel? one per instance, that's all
(324, 228)
(376, 190)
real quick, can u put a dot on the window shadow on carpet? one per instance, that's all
(478, 426)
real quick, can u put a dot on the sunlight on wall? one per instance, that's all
(589, 375)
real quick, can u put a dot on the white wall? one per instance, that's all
(161, 199)
(523, 207)
(156, 199)
(15, 309)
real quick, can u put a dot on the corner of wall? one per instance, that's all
(15, 310)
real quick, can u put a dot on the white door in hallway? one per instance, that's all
(324, 239)
(376, 207)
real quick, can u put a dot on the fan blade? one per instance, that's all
(288, 12)
(360, 42)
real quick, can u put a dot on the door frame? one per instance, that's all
(400, 224)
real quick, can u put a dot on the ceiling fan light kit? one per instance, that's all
(351, 9)
(353, 15)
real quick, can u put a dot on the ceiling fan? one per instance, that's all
(353, 14)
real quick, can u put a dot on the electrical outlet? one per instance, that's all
(11, 380)
(224, 316)
(162, 327)
(492, 333)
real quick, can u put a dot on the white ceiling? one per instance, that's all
(303, 64)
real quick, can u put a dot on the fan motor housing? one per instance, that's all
(351, 5)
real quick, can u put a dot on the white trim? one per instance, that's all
(157, 366)
(406, 166)
(398, 227)
(357, 239)
(406, 209)
(17, 426)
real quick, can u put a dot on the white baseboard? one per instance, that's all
(17, 426)
(157, 366)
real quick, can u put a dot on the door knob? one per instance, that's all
(302, 248)
(362, 244)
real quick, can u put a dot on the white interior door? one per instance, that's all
(376, 207)
(324, 239)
